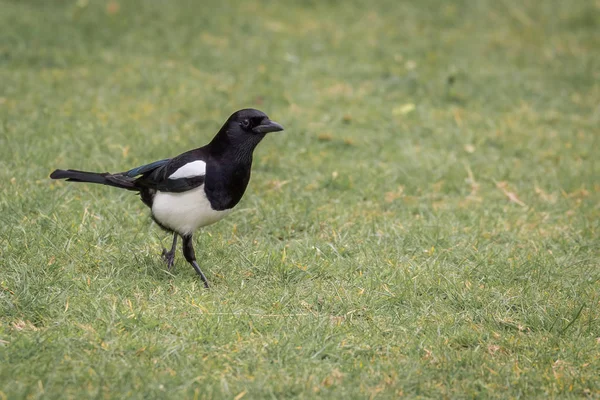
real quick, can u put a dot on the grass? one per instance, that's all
(427, 226)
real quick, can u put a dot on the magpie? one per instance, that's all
(196, 188)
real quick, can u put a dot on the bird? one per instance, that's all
(196, 188)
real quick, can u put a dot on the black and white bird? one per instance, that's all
(196, 188)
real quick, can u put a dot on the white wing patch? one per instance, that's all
(195, 168)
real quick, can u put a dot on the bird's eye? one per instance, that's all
(246, 123)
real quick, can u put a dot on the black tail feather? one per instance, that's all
(72, 175)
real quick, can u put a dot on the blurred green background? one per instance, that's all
(426, 226)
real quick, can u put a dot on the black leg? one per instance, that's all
(190, 256)
(169, 256)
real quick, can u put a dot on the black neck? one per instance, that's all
(237, 149)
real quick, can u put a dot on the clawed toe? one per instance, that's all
(169, 258)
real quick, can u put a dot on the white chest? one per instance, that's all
(185, 212)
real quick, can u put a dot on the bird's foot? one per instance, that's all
(169, 257)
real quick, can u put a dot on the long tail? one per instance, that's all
(116, 180)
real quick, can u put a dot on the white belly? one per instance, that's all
(185, 212)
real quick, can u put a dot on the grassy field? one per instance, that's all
(428, 225)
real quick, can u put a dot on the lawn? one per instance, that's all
(428, 225)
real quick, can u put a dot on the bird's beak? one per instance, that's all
(267, 126)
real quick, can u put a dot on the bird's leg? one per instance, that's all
(169, 256)
(190, 256)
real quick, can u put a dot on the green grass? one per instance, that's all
(427, 225)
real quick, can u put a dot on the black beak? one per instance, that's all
(267, 126)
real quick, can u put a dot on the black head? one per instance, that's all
(243, 131)
(252, 122)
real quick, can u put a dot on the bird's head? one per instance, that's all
(243, 131)
(251, 122)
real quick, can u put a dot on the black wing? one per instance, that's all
(132, 173)
(157, 175)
